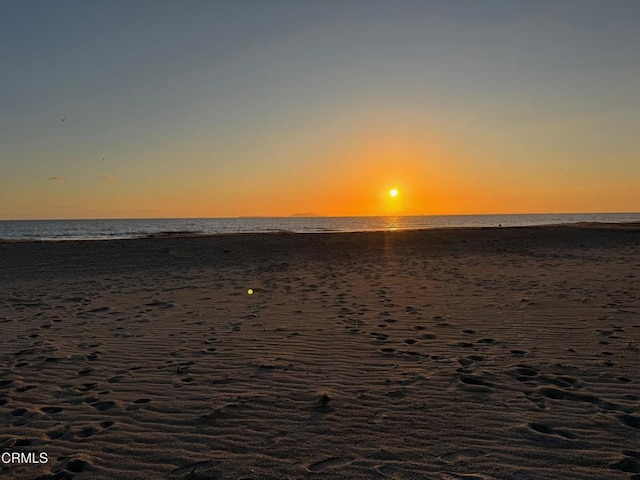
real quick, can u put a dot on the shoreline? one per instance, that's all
(195, 234)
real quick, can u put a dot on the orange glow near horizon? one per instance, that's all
(362, 174)
(348, 172)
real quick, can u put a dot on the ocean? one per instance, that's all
(57, 230)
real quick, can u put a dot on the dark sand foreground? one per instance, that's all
(449, 354)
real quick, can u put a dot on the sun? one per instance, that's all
(393, 192)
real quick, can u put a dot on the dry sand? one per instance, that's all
(507, 353)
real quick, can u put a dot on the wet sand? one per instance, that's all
(506, 353)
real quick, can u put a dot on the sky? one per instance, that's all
(193, 108)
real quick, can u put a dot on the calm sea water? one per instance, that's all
(53, 230)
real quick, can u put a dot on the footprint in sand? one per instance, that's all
(160, 304)
(557, 394)
(630, 421)
(629, 463)
(522, 475)
(204, 469)
(525, 373)
(21, 416)
(76, 465)
(103, 405)
(458, 455)
(329, 463)
(476, 383)
(547, 430)
(470, 360)
(20, 442)
(57, 432)
(137, 404)
(85, 432)
(51, 409)
(466, 476)
(396, 473)
(26, 388)
(381, 337)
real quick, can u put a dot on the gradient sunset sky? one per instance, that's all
(129, 109)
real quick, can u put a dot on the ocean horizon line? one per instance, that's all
(115, 229)
(315, 216)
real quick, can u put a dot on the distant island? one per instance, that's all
(297, 215)
(306, 214)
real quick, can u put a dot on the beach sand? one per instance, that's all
(506, 353)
